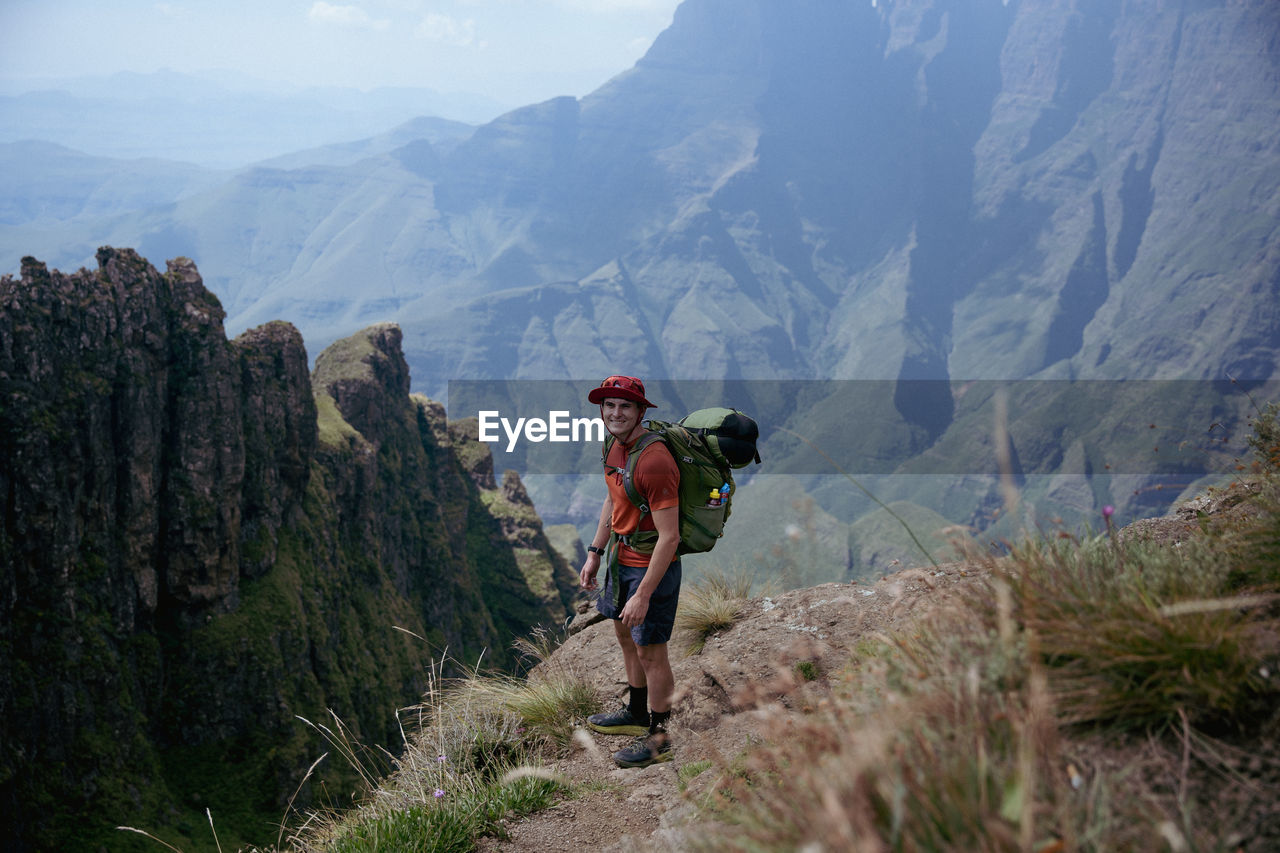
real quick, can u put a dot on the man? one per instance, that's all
(642, 580)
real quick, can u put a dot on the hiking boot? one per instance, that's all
(620, 722)
(651, 749)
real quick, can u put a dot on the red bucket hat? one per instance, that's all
(623, 387)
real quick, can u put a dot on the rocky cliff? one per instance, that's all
(202, 542)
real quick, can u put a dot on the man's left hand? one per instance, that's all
(634, 611)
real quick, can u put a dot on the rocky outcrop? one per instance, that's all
(202, 542)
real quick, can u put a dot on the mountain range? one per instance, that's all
(216, 120)
(816, 189)
(932, 190)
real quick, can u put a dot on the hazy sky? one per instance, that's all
(516, 51)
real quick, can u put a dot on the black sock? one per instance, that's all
(639, 702)
(658, 721)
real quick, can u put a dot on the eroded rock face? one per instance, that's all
(278, 414)
(118, 424)
(367, 377)
(201, 542)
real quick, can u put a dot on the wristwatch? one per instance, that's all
(592, 549)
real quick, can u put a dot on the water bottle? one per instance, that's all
(715, 498)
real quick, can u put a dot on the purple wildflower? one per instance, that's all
(439, 793)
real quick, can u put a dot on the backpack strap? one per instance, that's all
(604, 455)
(642, 540)
(629, 475)
(628, 472)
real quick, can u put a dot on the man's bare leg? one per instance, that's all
(630, 657)
(657, 672)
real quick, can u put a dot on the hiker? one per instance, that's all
(640, 590)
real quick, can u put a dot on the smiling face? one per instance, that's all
(621, 417)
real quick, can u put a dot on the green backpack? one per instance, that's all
(707, 445)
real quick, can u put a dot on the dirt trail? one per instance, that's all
(742, 686)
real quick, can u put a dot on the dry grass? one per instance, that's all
(710, 604)
(1079, 702)
(943, 743)
(1138, 637)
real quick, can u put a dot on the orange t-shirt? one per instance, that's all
(656, 478)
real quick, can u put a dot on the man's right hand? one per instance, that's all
(587, 577)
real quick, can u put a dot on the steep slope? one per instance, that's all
(201, 543)
(930, 190)
(790, 667)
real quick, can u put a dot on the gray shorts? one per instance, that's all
(661, 618)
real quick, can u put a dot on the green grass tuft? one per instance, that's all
(452, 823)
(806, 670)
(1138, 637)
(471, 763)
(688, 772)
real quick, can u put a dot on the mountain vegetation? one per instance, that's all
(203, 542)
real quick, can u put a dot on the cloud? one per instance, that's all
(345, 16)
(609, 6)
(442, 28)
(172, 10)
(597, 7)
